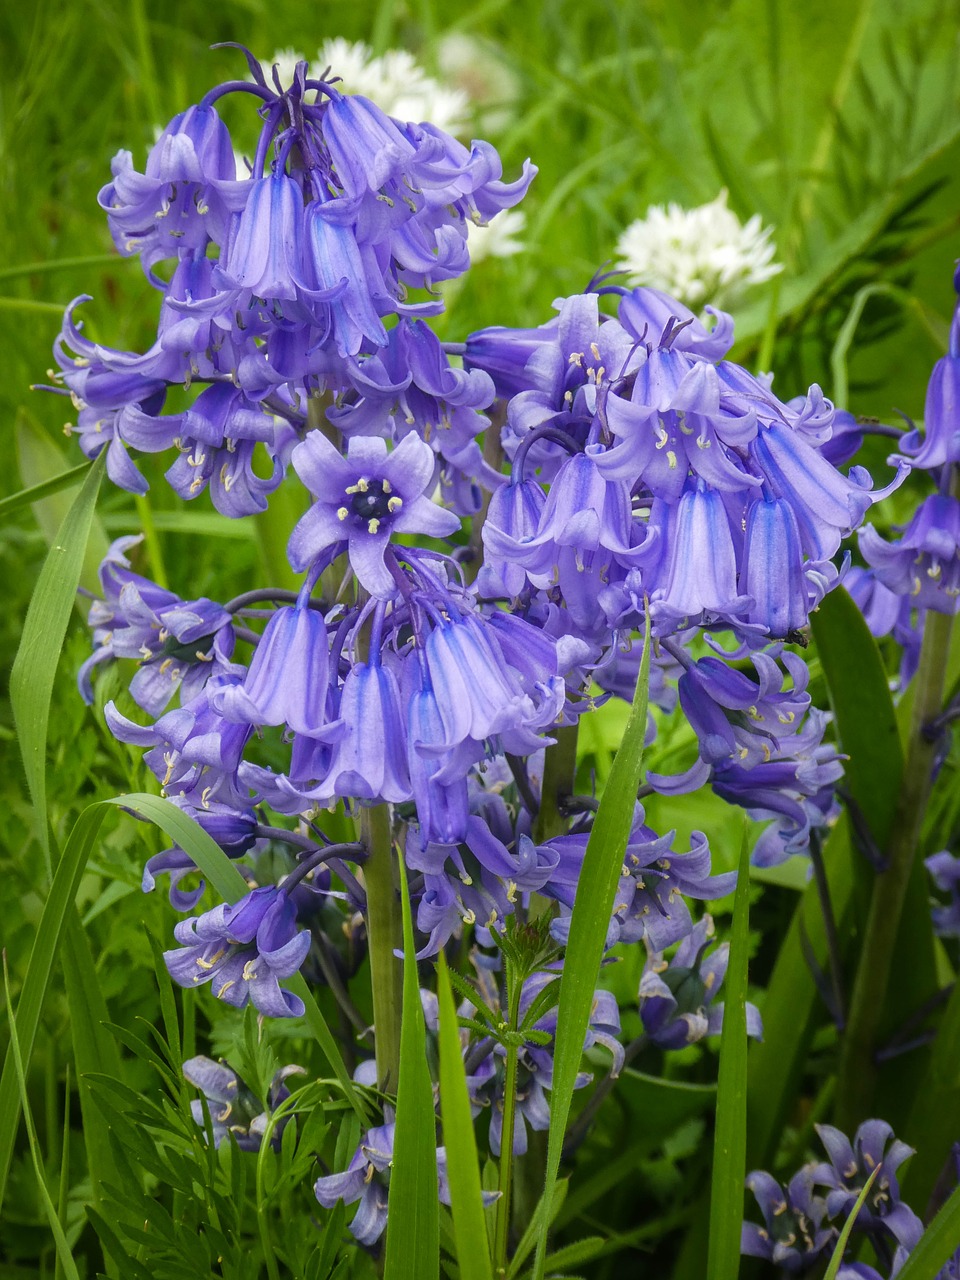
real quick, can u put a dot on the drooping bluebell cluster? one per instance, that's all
(277, 285)
(803, 1220)
(426, 664)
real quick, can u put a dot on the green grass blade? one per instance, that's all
(730, 1135)
(463, 1166)
(596, 890)
(413, 1215)
(35, 666)
(63, 892)
(836, 1258)
(64, 1256)
(938, 1244)
(44, 489)
(94, 1050)
(218, 869)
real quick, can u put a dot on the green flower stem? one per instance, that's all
(857, 1074)
(501, 1238)
(152, 539)
(559, 771)
(384, 937)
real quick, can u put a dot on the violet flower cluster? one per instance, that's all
(426, 663)
(802, 1220)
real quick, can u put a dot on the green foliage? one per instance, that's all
(730, 1136)
(412, 1249)
(839, 123)
(591, 911)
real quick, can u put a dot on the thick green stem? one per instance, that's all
(507, 1128)
(384, 937)
(493, 455)
(559, 772)
(856, 1079)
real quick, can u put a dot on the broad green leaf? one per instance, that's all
(861, 702)
(413, 1221)
(938, 1244)
(463, 1167)
(592, 906)
(35, 666)
(836, 1258)
(730, 1135)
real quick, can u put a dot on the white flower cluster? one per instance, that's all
(397, 83)
(703, 255)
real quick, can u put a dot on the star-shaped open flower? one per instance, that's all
(363, 499)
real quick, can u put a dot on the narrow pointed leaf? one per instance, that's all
(64, 1256)
(730, 1135)
(938, 1244)
(836, 1258)
(592, 906)
(463, 1166)
(35, 666)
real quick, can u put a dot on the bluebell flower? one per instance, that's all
(885, 613)
(235, 1112)
(793, 1236)
(363, 500)
(924, 563)
(184, 198)
(883, 1213)
(654, 882)
(739, 719)
(478, 880)
(194, 750)
(827, 505)
(244, 951)
(783, 589)
(940, 441)
(179, 644)
(944, 869)
(288, 678)
(486, 1082)
(696, 581)
(368, 759)
(677, 995)
(233, 829)
(367, 1179)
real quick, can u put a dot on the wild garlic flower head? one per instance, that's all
(703, 255)
(396, 82)
(499, 238)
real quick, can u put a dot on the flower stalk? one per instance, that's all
(507, 1158)
(384, 938)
